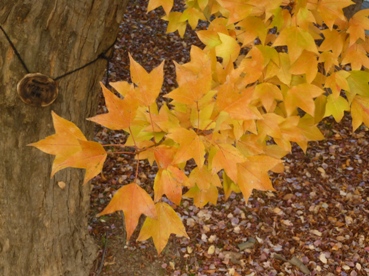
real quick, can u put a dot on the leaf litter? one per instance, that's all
(316, 222)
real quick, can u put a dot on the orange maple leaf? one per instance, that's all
(148, 84)
(302, 96)
(121, 111)
(194, 78)
(190, 146)
(253, 174)
(360, 111)
(71, 149)
(237, 103)
(170, 182)
(357, 26)
(132, 209)
(159, 229)
(226, 157)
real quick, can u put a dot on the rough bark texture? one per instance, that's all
(43, 228)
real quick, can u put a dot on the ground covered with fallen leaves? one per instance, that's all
(315, 223)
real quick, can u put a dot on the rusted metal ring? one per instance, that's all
(37, 89)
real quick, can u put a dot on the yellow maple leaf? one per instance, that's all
(358, 82)
(176, 23)
(251, 28)
(229, 186)
(306, 64)
(166, 4)
(71, 149)
(201, 196)
(132, 209)
(333, 41)
(336, 106)
(356, 55)
(159, 229)
(203, 178)
(332, 10)
(268, 94)
(297, 40)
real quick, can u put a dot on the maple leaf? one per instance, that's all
(194, 78)
(121, 111)
(190, 146)
(337, 81)
(71, 149)
(229, 186)
(268, 94)
(166, 4)
(329, 60)
(302, 96)
(170, 182)
(201, 196)
(251, 28)
(253, 174)
(226, 157)
(237, 103)
(167, 222)
(149, 84)
(336, 107)
(331, 10)
(358, 82)
(176, 23)
(238, 9)
(333, 41)
(307, 64)
(297, 40)
(132, 209)
(203, 178)
(356, 55)
(192, 15)
(161, 122)
(360, 111)
(357, 26)
(229, 49)
(164, 156)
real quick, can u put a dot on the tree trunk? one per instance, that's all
(43, 228)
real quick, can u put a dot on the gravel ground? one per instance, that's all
(316, 223)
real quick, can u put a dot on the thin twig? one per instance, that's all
(103, 256)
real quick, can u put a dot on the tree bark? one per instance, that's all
(43, 228)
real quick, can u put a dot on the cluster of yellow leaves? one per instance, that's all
(233, 116)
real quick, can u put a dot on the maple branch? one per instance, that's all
(198, 116)
(152, 125)
(123, 152)
(134, 142)
(115, 145)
